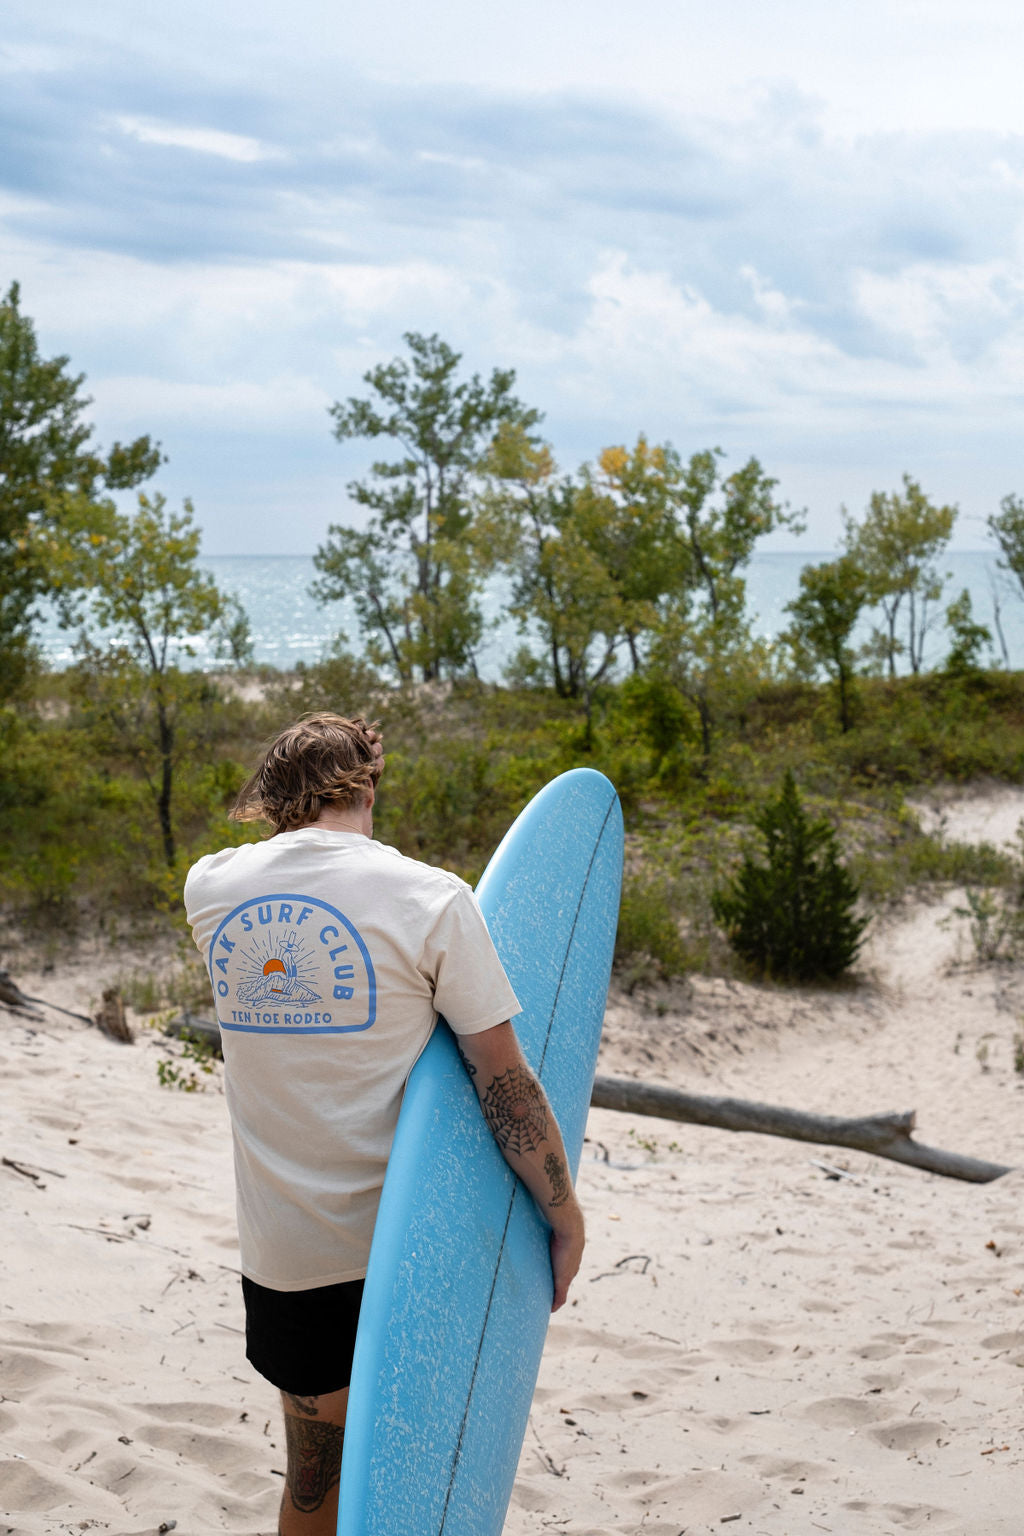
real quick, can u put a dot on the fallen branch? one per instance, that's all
(886, 1136)
(11, 996)
(188, 1027)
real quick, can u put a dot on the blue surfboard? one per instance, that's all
(458, 1290)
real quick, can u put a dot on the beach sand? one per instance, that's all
(766, 1336)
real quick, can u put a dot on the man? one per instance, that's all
(330, 957)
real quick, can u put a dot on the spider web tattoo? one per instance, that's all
(516, 1111)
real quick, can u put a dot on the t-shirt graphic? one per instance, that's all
(285, 964)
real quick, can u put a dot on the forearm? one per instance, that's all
(523, 1124)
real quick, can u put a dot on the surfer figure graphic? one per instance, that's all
(330, 958)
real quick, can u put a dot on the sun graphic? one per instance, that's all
(274, 968)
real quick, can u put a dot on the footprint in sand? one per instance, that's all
(844, 1412)
(208, 1415)
(754, 1351)
(910, 1517)
(22, 1373)
(214, 1452)
(1003, 1341)
(906, 1434)
(29, 1490)
(786, 1469)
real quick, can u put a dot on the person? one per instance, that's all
(330, 957)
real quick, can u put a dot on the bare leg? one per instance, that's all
(315, 1431)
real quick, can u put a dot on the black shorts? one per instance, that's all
(302, 1341)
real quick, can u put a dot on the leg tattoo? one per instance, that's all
(314, 1461)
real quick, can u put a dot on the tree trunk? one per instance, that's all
(886, 1136)
(844, 700)
(704, 714)
(163, 803)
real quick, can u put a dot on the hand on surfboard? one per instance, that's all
(566, 1257)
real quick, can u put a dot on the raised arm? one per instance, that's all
(523, 1124)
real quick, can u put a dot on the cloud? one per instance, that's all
(205, 141)
(225, 250)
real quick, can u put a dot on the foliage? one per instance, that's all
(648, 943)
(792, 915)
(996, 926)
(196, 1056)
(53, 485)
(895, 546)
(150, 599)
(824, 616)
(412, 571)
(970, 639)
(703, 643)
(995, 917)
(339, 682)
(561, 589)
(639, 554)
(1007, 528)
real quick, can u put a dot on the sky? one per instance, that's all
(788, 230)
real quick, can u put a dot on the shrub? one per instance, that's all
(792, 916)
(649, 929)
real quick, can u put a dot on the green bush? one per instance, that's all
(792, 916)
(649, 930)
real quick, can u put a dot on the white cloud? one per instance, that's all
(204, 141)
(279, 403)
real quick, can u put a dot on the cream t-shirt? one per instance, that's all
(330, 957)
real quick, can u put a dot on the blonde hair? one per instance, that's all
(321, 760)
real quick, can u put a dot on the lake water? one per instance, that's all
(288, 625)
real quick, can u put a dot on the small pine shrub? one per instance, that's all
(792, 916)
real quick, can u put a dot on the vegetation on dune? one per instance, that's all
(627, 578)
(81, 845)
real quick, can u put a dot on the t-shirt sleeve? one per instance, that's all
(471, 989)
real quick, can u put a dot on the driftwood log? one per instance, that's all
(886, 1136)
(189, 1027)
(11, 996)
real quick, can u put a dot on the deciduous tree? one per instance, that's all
(825, 613)
(1007, 528)
(412, 571)
(149, 600)
(896, 546)
(588, 558)
(970, 639)
(703, 640)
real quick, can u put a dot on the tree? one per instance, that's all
(639, 553)
(587, 558)
(703, 640)
(1007, 528)
(792, 915)
(825, 613)
(149, 597)
(413, 571)
(970, 638)
(895, 546)
(53, 485)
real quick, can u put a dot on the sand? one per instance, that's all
(766, 1337)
